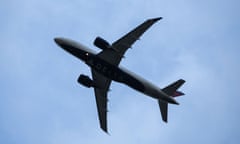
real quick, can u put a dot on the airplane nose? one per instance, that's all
(58, 40)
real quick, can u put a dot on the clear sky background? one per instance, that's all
(42, 103)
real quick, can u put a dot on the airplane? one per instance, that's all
(105, 69)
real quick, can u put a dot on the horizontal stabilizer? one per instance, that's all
(164, 110)
(172, 91)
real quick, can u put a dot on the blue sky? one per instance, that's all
(41, 101)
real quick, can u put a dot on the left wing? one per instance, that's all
(114, 54)
(103, 84)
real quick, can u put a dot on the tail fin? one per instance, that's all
(170, 90)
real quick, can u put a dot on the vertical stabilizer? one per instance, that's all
(171, 89)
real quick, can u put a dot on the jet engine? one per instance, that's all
(101, 43)
(85, 81)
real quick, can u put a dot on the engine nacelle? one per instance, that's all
(85, 81)
(101, 43)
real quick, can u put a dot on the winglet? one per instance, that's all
(155, 19)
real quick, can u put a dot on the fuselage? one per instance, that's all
(111, 71)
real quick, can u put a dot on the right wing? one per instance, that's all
(103, 84)
(119, 47)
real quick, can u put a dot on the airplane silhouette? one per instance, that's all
(105, 68)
